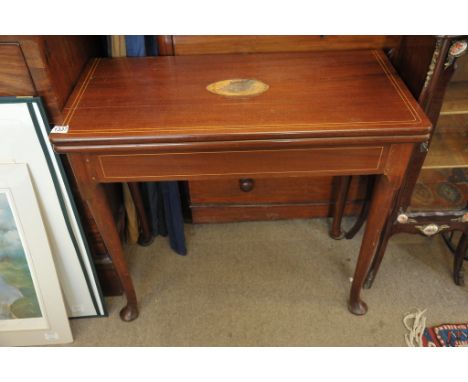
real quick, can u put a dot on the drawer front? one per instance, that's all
(266, 163)
(317, 189)
(239, 213)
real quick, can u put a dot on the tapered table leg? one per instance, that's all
(340, 204)
(94, 195)
(146, 237)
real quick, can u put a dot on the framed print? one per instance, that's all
(24, 130)
(32, 310)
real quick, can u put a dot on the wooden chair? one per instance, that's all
(427, 64)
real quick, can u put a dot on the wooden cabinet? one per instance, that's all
(223, 200)
(45, 66)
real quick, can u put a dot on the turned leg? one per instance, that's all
(458, 260)
(380, 209)
(94, 195)
(340, 204)
(146, 237)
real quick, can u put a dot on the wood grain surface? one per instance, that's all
(164, 99)
(185, 45)
(53, 63)
(15, 79)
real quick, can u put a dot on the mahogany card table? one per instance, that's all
(240, 116)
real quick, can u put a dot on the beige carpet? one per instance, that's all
(282, 283)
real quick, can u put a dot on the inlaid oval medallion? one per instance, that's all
(238, 87)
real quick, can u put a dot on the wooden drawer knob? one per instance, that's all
(246, 184)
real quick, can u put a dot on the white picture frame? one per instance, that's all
(31, 301)
(25, 130)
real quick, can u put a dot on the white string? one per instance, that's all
(416, 329)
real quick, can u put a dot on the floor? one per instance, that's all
(282, 283)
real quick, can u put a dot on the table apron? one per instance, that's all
(149, 166)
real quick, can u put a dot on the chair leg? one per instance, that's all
(343, 188)
(146, 237)
(364, 211)
(458, 275)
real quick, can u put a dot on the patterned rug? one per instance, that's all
(448, 335)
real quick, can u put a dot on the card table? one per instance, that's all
(240, 116)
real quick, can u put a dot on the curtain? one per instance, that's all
(162, 199)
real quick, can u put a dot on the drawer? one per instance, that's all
(270, 190)
(235, 164)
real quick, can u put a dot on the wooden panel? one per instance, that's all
(66, 57)
(412, 60)
(55, 64)
(14, 75)
(237, 213)
(165, 46)
(273, 163)
(287, 190)
(184, 45)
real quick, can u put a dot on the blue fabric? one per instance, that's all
(135, 46)
(162, 199)
(173, 216)
(152, 196)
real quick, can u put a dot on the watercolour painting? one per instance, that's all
(18, 297)
(32, 309)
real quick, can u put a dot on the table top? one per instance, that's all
(305, 95)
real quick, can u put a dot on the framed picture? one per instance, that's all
(24, 133)
(32, 309)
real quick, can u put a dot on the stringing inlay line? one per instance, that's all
(81, 92)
